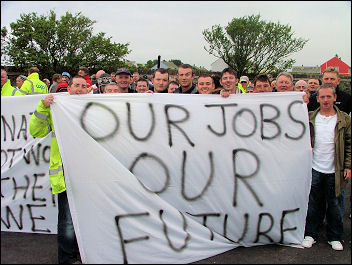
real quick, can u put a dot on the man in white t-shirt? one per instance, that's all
(330, 130)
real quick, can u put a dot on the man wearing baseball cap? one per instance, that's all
(124, 79)
(66, 77)
(243, 84)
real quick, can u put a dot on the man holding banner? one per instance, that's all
(40, 125)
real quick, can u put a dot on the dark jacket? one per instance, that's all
(342, 142)
(192, 90)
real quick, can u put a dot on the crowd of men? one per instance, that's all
(123, 81)
(329, 119)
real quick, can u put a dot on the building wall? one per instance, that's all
(343, 68)
(218, 65)
(306, 69)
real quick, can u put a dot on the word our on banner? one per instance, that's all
(27, 204)
(158, 178)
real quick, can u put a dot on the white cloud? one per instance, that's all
(173, 29)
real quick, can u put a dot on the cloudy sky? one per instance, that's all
(173, 29)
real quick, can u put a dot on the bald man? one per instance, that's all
(96, 89)
(301, 85)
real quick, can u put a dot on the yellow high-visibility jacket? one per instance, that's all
(33, 85)
(7, 89)
(40, 125)
(243, 90)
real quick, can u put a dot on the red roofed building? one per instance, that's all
(343, 68)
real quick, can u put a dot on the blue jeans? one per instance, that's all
(322, 194)
(342, 204)
(68, 251)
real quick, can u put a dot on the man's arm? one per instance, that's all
(347, 162)
(39, 125)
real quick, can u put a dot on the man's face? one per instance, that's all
(205, 85)
(313, 84)
(19, 82)
(331, 78)
(244, 84)
(301, 86)
(262, 86)
(112, 75)
(228, 81)
(160, 81)
(185, 77)
(172, 87)
(111, 89)
(81, 73)
(284, 84)
(58, 80)
(3, 78)
(142, 87)
(135, 77)
(326, 99)
(65, 78)
(123, 81)
(78, 86)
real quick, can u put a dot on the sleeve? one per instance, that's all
(347, 162)
(17, 92)
(39, 125)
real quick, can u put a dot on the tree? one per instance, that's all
(176, 62)
(4, 47)
(252, 46)
(151, 63)
(61, 45)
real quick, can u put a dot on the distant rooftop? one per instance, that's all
(306, 69)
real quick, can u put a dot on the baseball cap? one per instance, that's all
(244, 78)
(66, 74)
(62, 87)
(123, 71)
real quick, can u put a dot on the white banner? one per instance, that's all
(162, 178)
(27, 204)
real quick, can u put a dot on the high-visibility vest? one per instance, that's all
(19, 92)
(33, 85)
(243, 90)
(40, 125)
(7, 89)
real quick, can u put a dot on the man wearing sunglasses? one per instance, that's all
(243, 84)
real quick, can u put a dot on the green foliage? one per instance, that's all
(199, 69)
(176, 62)
(107, 56)
(151, 63)
(252, 46)
(61, 45)
(141, 66)
(4, 45)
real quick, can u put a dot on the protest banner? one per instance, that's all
(160, 178)
(27, 204)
